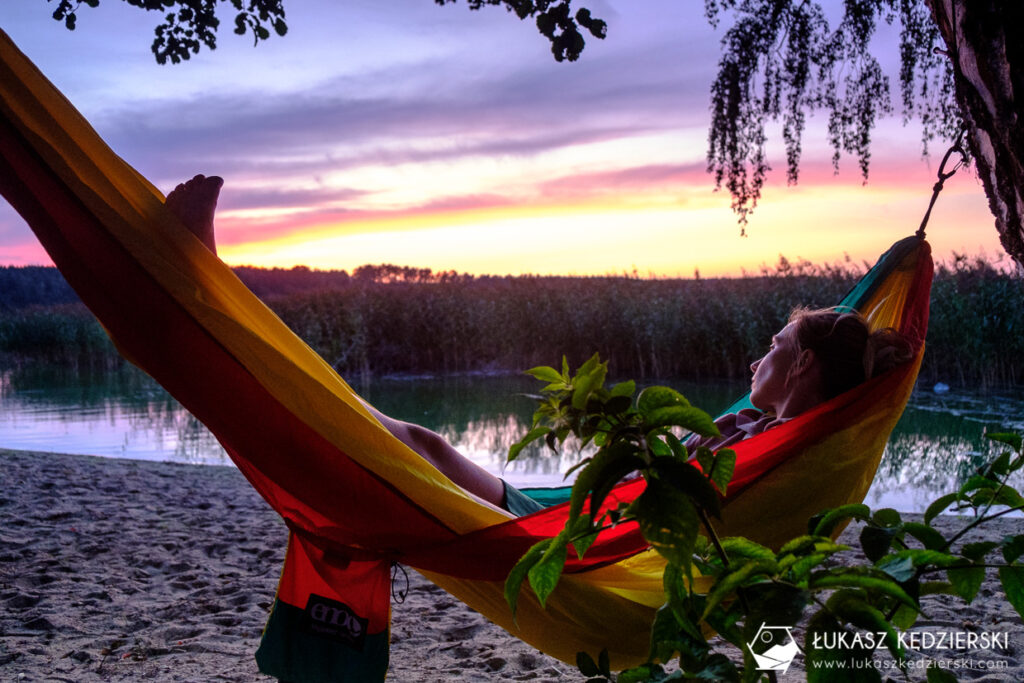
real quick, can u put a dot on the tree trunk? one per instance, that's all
(983, 41)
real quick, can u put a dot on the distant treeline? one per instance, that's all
(390, 319)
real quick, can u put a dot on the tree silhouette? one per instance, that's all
(960, 70)
(188, 25)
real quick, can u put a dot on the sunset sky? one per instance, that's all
(397, 131)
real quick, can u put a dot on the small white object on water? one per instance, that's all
(940, 388)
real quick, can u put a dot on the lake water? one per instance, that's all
(937, 444)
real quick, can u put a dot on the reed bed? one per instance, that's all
(391, 320)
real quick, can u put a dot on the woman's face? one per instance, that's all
(770, 385)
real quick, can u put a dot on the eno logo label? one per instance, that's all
(335, 620)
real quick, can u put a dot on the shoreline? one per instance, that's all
(115, 570)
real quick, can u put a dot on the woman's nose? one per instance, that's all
(753, 366)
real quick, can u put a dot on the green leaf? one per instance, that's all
(531, 436)
(1013, 547)
(737, 547)
(676, 588)
(1009, 438)
(833, 517)
(658, 447)
(723, 469)
(937, 675)
(627, 388)
(723, 621)
(589, 477)
(937, 588)
(814, 520)
(546, 572)
(802, 567)
(887, 517)
(545, 373)
(939, 505)
(666, 638)
(678, 449)
(668, 520)
(582, 540)
(875, 541)
(520, 570)
(688, 480)
(849, 577)
(802, 544)
(718, 668)
(929, 537)
(589, 366)
(616, 405)
(851, 607)
(705, 458)
(581, 463)
(587, 384)
(904, 617)
(728, 583)
(1012, 579)
(899, 568)
(604, 664)
(966, 581)
(585, 663)
(1000, 466)
(977, 482)
(921, 558)
(976, 551)
(688, 417)
(1003, 495)
(778, 604)
(610, 475)
(640, 674)
(655, 397)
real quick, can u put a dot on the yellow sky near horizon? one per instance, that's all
(662, 236)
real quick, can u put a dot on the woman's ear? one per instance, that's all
(805, 360)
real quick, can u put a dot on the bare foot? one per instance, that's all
(194, 203)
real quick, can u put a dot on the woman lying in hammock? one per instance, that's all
(816, 356)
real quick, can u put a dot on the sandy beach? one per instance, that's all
(118, 570)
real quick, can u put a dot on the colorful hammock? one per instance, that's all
(354, 498)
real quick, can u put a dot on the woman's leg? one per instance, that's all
(442, 455)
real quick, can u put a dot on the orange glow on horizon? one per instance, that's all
(652, 234)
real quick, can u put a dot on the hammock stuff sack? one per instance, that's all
(354, 498)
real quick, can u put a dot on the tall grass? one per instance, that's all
(387, 321)
(976, 331)
(63, 334)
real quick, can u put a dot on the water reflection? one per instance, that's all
(121, 414)
(937, 444)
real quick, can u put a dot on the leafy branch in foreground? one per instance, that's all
(848, 610)
(189, 25)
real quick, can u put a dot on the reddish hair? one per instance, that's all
(848, 352)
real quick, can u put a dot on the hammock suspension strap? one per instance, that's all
(943, 177)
